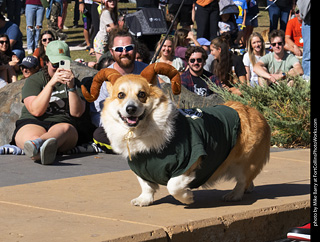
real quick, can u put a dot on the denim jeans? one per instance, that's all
(34, 17)
(276, 13)
(306, 58)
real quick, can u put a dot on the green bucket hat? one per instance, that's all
(58, 50)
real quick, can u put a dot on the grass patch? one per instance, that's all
(287, 110)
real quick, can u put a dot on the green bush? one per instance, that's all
(287, 110)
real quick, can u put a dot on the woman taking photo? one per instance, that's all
(8, 62)
(227, 67)
(51, 104)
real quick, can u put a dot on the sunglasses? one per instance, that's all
(4, 42)
(55, 65)
(199, 60)
(24, 68)
(274, 44)
(45, 40)
(164, 35)
(120, 49)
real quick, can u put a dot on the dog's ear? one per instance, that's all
(106, 74)
(152, 70)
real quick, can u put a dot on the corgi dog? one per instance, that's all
(180, 149)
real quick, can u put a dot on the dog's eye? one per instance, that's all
(121, 95)
(141, 94)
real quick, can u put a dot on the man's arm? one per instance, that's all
(261, 71)
(291, 46)
(296, 70)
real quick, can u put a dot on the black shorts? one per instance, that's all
(185, 15)
(22, 122)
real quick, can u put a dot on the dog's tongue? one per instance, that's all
(132, 120)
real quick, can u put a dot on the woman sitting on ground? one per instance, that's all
(228, 67)
(51, 103)
(256, 49)
(45, 38)
(166, 55)
(8, 62)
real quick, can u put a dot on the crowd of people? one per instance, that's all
(53, 102)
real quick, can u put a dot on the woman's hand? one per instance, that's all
(14, 60)
(63, 76)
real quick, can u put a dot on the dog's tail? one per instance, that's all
(149, 73)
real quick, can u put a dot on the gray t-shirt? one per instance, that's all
(275, 67)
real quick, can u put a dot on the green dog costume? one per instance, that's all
(211, 133)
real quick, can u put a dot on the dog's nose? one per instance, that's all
(131, 109)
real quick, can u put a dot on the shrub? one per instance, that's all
(287, 110)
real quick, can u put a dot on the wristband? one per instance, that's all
(284, 75)
(81, 2)
(73, 89)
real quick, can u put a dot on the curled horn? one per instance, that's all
(106, 74)
(164, 69)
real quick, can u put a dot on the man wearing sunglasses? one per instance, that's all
(122, 47)
(277, 64)
(195, 78)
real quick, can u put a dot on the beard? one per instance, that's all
(197, 69)
(125, 61)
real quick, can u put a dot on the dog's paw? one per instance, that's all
(232, 196)
(142, 201)
(185, 197)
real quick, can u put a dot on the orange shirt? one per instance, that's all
(294, 31)
(36, 53)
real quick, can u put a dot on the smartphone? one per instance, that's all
(64, 64)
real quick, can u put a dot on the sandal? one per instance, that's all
(48, 151)
(92, 52)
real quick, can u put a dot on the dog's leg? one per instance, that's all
(146, 196)
(237, 193)
(178, 188)
(250, 188)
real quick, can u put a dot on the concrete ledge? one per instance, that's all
(97, 208)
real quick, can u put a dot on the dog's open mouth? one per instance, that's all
(132, 121)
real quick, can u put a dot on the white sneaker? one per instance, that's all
(30, 51)
(48, 151)
(65, 27)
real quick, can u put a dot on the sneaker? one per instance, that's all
(31, 148)
(65, 27)
(48, 151)
(30, 51)
(62, 36)
(300, 233)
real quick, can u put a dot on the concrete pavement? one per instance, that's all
(87, 198)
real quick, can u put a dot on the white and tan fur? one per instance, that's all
(156, 126)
